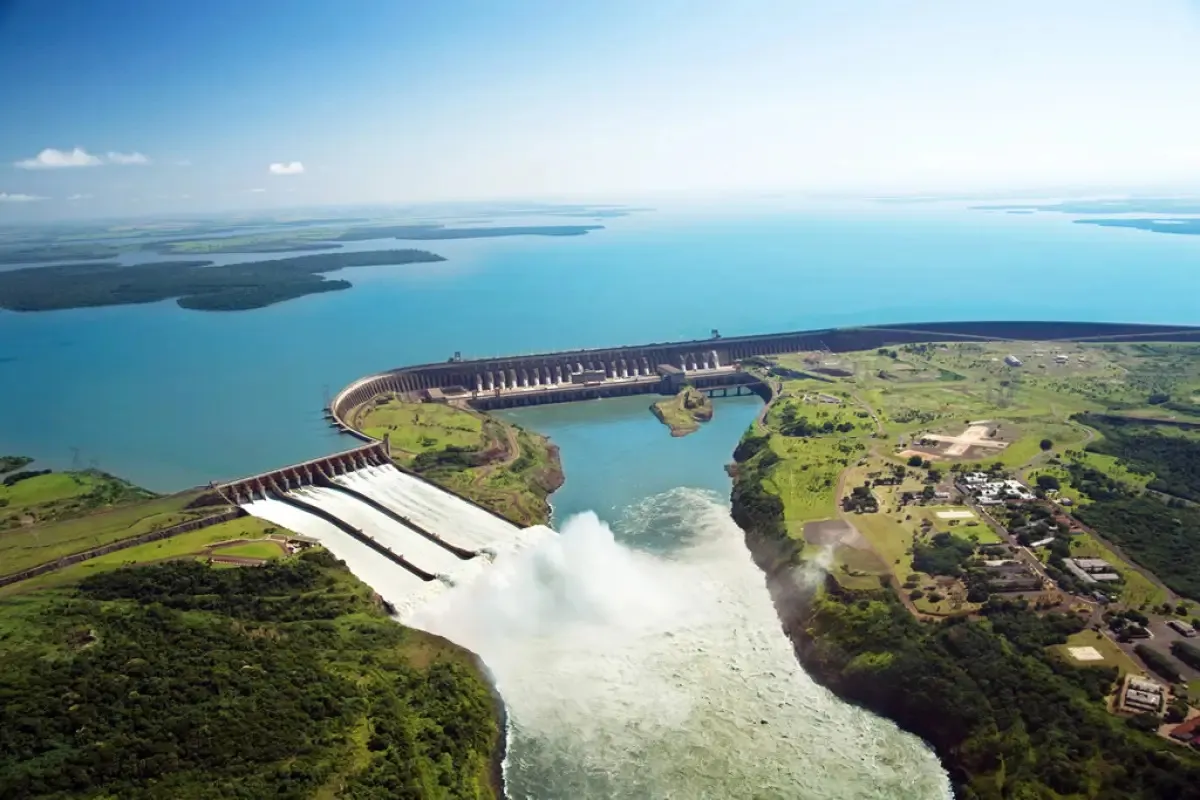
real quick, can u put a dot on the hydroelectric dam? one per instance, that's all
(409, 539)
(712, 364)
(405, 537)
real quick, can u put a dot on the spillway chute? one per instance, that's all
(406, 538)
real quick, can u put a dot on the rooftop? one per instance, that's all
(1186, 730)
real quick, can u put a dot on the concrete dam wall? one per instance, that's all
(583, 374)
(406, 538)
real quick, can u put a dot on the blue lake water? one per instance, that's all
(618, 454)
(172, 398)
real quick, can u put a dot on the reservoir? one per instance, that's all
(639, 654)
(170, 398)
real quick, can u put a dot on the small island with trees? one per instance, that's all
(684, 412)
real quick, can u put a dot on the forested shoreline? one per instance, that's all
(183, 680)
(1006, 716)
(199, 285)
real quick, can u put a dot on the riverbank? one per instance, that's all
(988, 691)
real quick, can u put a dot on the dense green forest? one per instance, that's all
(1161, 535)
(1007, 716)
(1173, 458)
(197, 284)
(1162, 538)
(187, 681)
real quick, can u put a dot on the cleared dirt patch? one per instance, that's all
(1085, 654)
(831, 532)
(975, 437)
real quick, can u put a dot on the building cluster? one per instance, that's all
(1142, 695)
(994, 492)
(1091, 570)
(1005, 573)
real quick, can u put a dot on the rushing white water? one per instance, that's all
(659, 670)
(440, 512)
(401, 540)
(394, 583)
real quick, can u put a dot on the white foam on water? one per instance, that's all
(392, 582)
(661, 671)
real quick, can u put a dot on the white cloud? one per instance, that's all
(256, 191)
(127, 158)
(286, 168)
(78, 157)
(5, 197)
(54, 159)
(80, 197)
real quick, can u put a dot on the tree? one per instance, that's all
(914, 461)
(1047, 482)
(1046, 444)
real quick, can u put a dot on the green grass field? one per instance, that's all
(805, 478)
(857, 569)
(264, 550)
(60, 495)
(1113, 655)
(179, 546)
(417, 427)
(889, 538)
(22, 548)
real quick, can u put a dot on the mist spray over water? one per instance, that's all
(650, 664)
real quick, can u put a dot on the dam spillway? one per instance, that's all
(460, 524)
(399, 586)
(406, 538)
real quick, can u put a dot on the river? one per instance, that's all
(638, 653)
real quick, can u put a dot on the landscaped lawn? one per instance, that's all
(251, 550)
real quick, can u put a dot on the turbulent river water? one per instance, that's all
(640, 656)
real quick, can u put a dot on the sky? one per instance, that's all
(129, 107)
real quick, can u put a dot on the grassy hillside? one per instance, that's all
(498, 465)
(184, 681)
